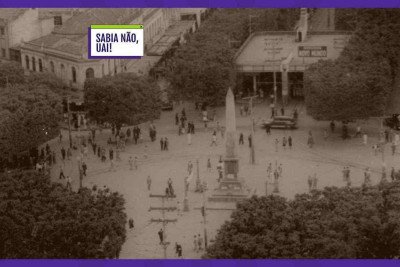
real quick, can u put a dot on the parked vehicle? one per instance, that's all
(393, 122)
(280, 122)
(167, 106)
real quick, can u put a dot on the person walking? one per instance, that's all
(148, 181)
(61, 176)
(276, 144)
(282, 111)
(209, 165)
(69, 183)
(176, 119)
(63, 153)
(250, 138)
(131, 224)
(166, 144)
(200, 242)
(189, 138)
(241, 139)
(162, 143)
(310, 183)
(268, 129)
(84, 168)
(130, 161)
(195, 243)
(290, 142)
(214, 139)
(161, 236)
(393, 174)
(284, 141)
(332, 126)
(135, 163)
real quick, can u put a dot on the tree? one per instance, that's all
(124, 98)
(332, 223)
(358, 83)
(41, 219)
(11, 73)
(203, 68)
(29, 117)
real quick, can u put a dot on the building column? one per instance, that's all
(285, 87)
(255, 84)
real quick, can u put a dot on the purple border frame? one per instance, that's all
(99, 57)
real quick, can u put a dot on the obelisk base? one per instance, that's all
(230, 188)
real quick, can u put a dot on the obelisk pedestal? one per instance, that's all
(231, 187)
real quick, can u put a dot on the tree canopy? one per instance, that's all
(204, 67)
(41, 219)
(358, 83)
(332, 223)
(124, 98)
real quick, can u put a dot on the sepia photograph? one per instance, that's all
(215, 133)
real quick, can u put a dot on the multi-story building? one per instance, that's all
(18, 25)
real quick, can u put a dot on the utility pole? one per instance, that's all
(69, 124)
(163, 220)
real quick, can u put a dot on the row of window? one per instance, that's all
(89, 72)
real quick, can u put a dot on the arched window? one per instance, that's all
(89, 73)
(40, 65)
(73, 70)
(52, 66)
(33, 64)
(27, 62)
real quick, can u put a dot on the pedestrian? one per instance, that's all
(332, 126)
(250, 141)
(162, 143)
(393, 146)
(161, 236)
(214, 139)
(280, 170)
(358, 132)
(200, 242)
(290, 142)
(365, 139)
(269, 170)
(131, 223)
(61, 173)
(276, 144)
(375, 148)
(130, 161)
(112, 167)
(135, 163)
(393, 174)
(220, 166)
(118, 154)
(241, 110)
(68, 183)
(148, 181)
(111, 153)
(190, 167)
(310, 183)
(241, 137)
(176, 119)
(195, 243)
(99, 152)
(166, 144)
(310, 140)
(284, 141)
(268, 129)
(189, 138)
(282, 111)
(84, 168)
(315, 181)
(63, 153)
(69, 153)
(179, 249)
(94, 148)
(60, 137)
(209, 165)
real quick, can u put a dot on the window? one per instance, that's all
(2, 30)
(52, 66)
(3, 52)
(40, 65)
(57, 20)
(33, 64)
(73, 74)
(27, 62)
(89, 73)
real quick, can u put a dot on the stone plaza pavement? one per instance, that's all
(326, 159)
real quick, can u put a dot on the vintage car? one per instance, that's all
(280, 122)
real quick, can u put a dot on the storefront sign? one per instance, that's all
(313, 51)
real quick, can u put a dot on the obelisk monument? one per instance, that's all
(231, 187)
